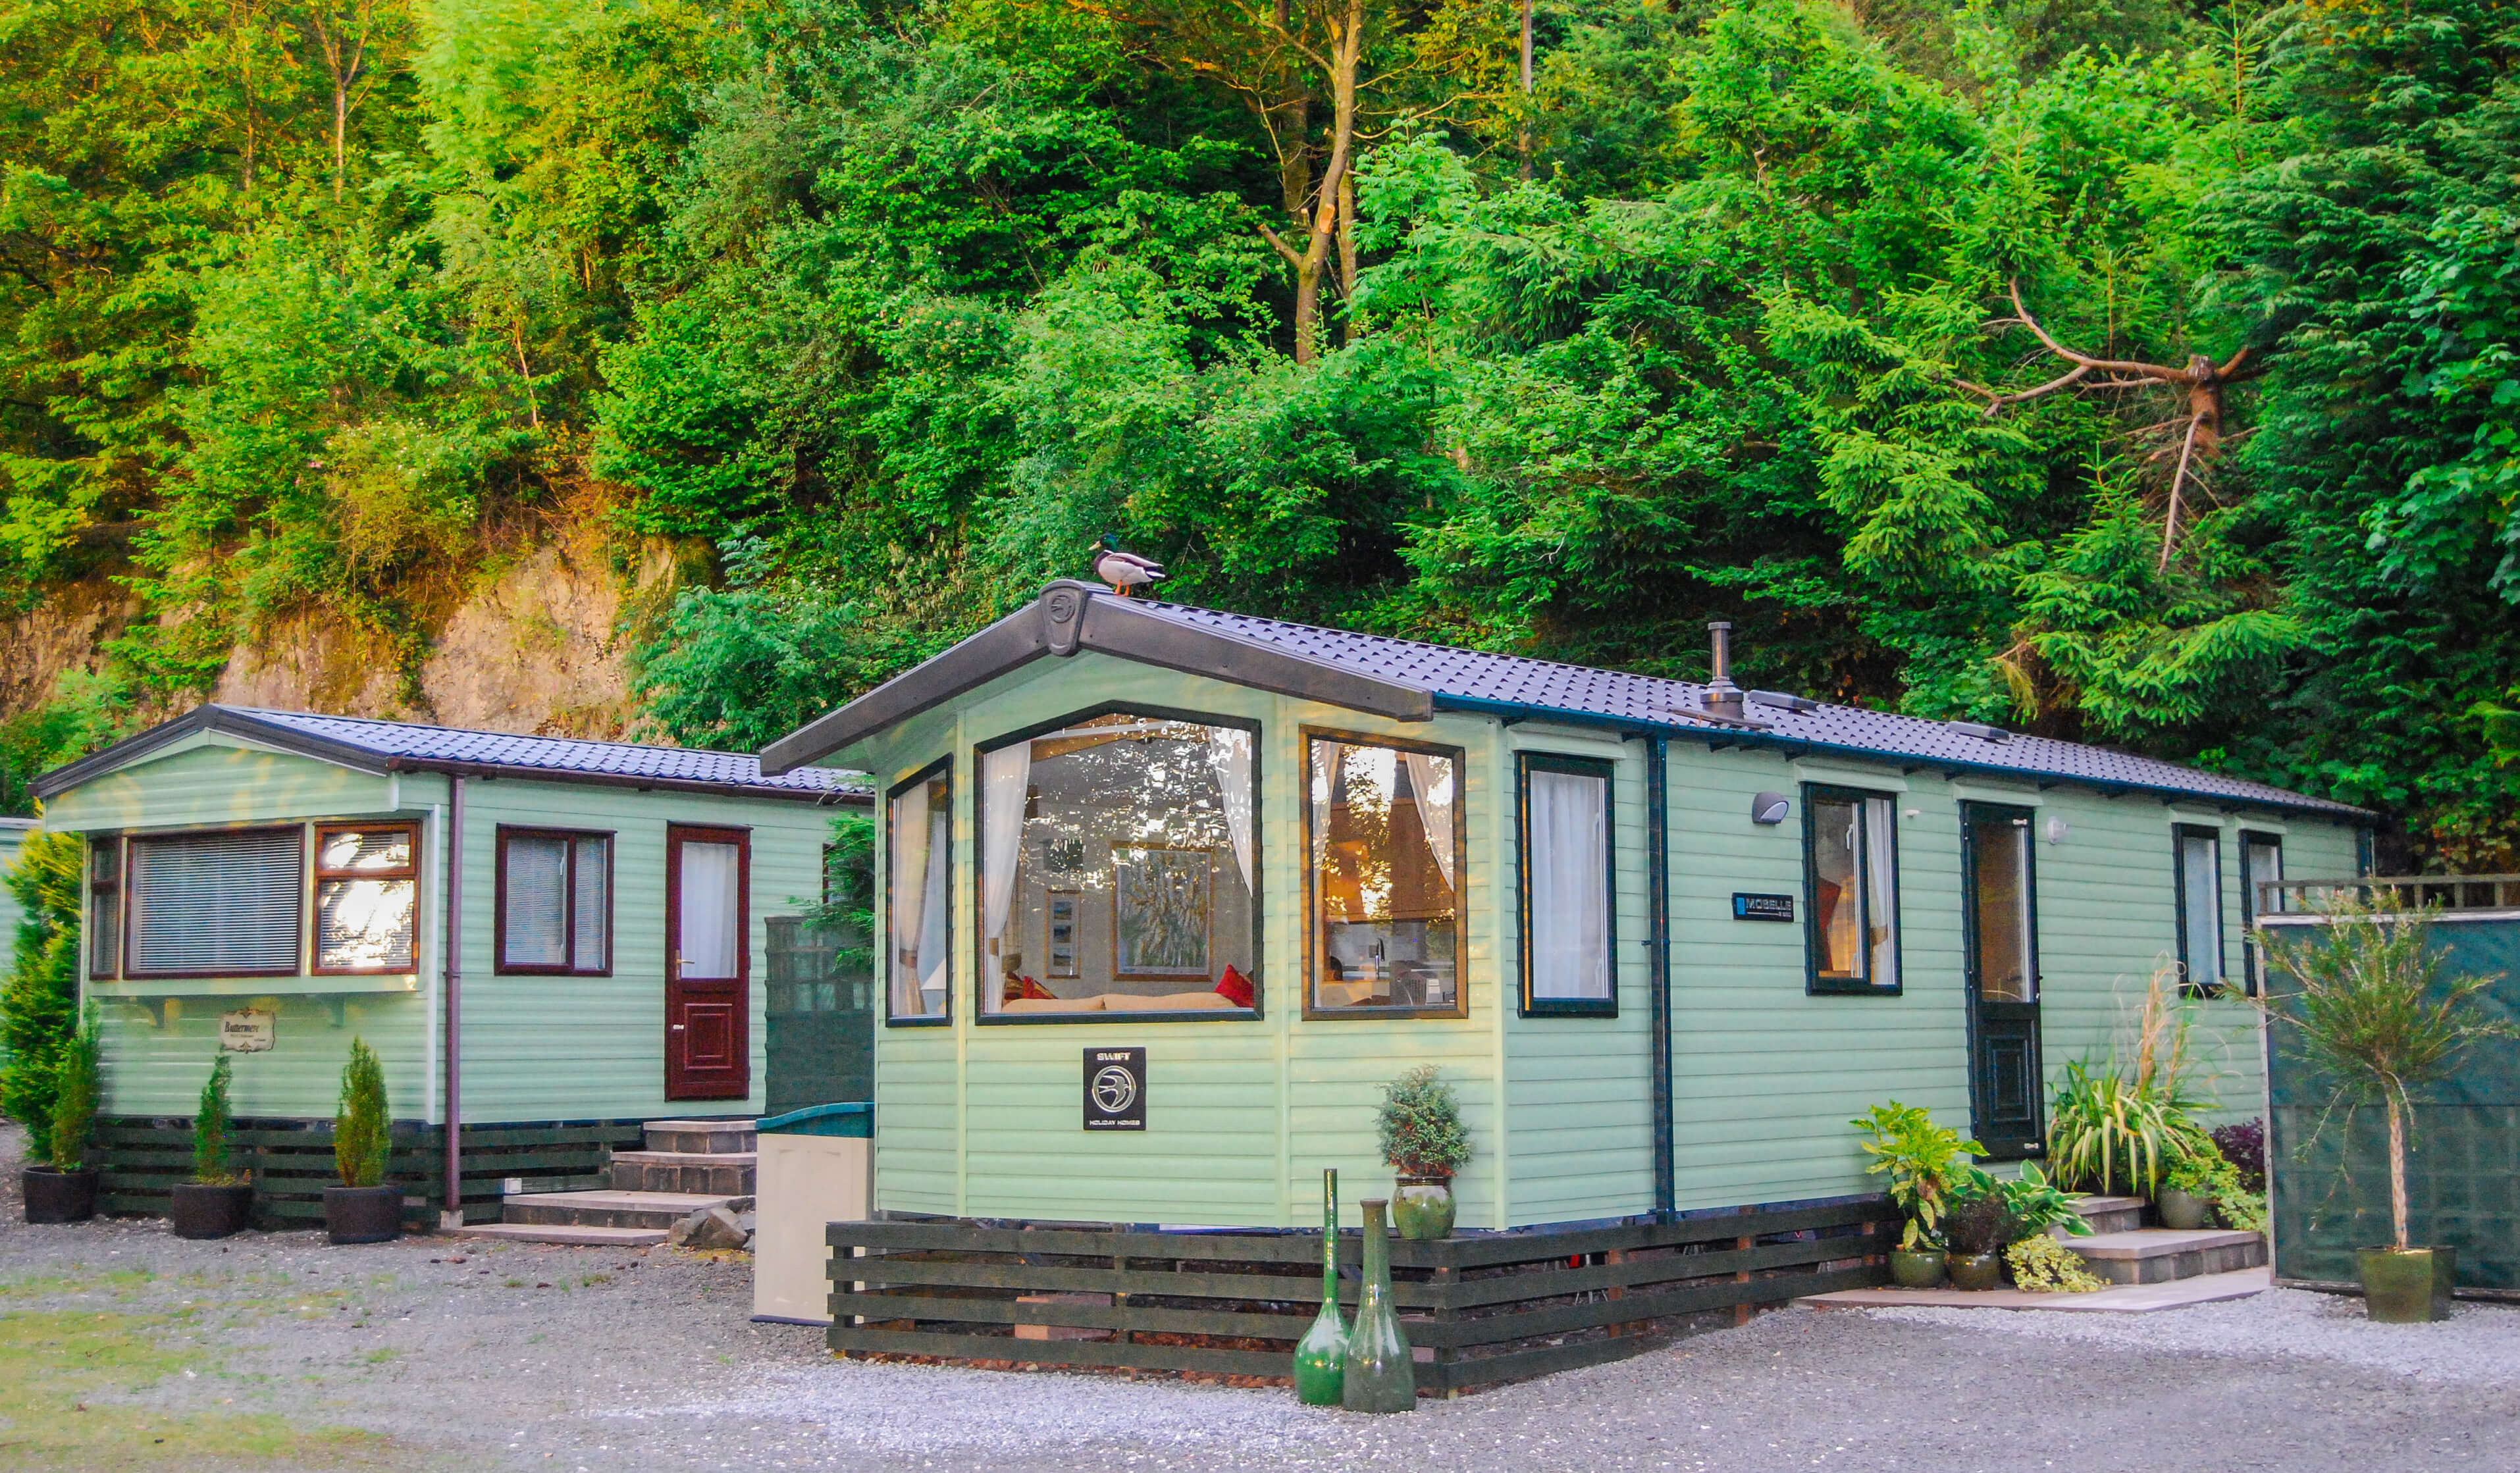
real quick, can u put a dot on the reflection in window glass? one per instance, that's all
(2000, 875)
(921, 830)
(2200, 909)
(1384, 877)
(2261, 864)
(1855, 890)
(105, 907)
(1116, 862)
(367, 889)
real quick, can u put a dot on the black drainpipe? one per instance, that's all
(451, 1216)
(1666, 1191)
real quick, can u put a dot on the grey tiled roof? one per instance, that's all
(1469, 675)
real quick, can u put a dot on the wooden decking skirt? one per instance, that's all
(1483, 1309)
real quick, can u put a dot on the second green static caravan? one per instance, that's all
(1169, 894)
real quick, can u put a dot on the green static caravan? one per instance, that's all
(1665, 939)
(276, 883)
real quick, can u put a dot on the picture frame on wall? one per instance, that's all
(1163, 911)
(1058, 935)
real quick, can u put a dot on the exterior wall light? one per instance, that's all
(2058, 828)
(1769, 808)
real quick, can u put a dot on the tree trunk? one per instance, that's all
(2397, 1171)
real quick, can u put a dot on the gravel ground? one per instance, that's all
(477, 1356)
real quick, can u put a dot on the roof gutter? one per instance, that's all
(492, 770)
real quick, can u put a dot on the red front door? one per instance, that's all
(709, 1002)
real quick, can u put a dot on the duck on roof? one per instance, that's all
(1664, 938)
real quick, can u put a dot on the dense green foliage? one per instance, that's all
(77, 1089)
(871, 316)
(362, 1124)
(211, 1121)
(39, 1000)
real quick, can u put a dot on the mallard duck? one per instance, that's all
(1124, 571)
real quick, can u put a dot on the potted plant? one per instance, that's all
(40, 1017)
(364, 1208)
(2120, 1123)
(1426, 1142)
(218, 1200)
(1928, 1166)
(1977, 1232)
(2370, 1008)
(64, 1191)
(2188, 1192)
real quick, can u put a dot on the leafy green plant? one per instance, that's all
(39, 999)
(1420, 1124)
(1981, 1224)
(2036, 1205)
(76, 1091)
(2369, 1007)
(211, 1124)
(362, 1124)
(2213, 1176)
(2040, 1264)
(1929, 1166)
(2109, 1132)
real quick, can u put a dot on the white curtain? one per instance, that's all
(908, 880)
(1229, 753)
(1004, 774)
(1431, 780)
(1881, 890)
(2202, 860)
(1571, 894)
(935, 919)
(708, 941)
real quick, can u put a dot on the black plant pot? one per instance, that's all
(210, 1211)
(363, 1214)
(58, 1196)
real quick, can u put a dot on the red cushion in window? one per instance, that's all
(1021, 988)
(1236, 988)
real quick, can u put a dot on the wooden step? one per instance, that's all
(2104, 1214)
(2158, 1255)
(701, 1136)
(726, 1173)
(573, 1237)
(659, 1210)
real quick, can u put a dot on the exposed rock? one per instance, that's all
(711, 1228)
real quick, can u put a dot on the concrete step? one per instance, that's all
(729, 1172)
(2159, 1254)
(659, 1210)
(701, 1137)
(2104, 1214)
(579, 1237)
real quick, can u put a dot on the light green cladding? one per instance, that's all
(984, 1120)
(535, 1047)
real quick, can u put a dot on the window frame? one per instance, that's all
(1306, 735)
(1525, 764)
(317, 874)
(305, 893)
(982, 1017)
(1972, 960)
(942, 767)
(1814, 984)
(107, 967)
(2179, 834)
(2253, 959)
(499, 963)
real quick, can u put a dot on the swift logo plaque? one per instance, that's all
(1115, 1089)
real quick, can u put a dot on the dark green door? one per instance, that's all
(2002, 937)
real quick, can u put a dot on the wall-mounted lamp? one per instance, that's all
(2058, 828)
(1769, 808)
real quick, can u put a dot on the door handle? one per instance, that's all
(678, 1028)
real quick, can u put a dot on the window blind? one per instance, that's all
(218, 904)
(594, 910)
(536, 921)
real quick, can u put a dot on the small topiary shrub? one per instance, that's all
(210, 1133)
(2040, 1264)
(1421, 1122)
(76, 1087)
(361, 1128)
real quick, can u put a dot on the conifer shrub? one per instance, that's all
(360, 1125)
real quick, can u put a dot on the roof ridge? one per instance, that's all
(431, 725)
(1394, 638)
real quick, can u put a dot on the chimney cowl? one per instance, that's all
(1723, 698)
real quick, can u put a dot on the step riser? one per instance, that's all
(2167, 1266)
(734, 1137)
(2126, 1221)
(712, 1180)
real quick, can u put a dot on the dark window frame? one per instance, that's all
(499, 963)
(981, 1016)
(2253, 961)
(318, 874)
(296, 968)
(1815, 984)
(107, 966)
(1312, 918)
(942, 767)
(1525, 764)
(2179, 834)
(1971, 964)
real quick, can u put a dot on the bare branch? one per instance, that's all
(2112, 364)
(1293, 256)
(2178, 478)
(1996, 401)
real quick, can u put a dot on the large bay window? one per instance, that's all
(1383, 871)
(1565, 904)
(366, 893)
(1851, 873)
(227, 903)
(919, 827)
(1117, 866)
(554, 903)
(2199, 853)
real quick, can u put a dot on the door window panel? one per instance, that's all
(709, 942)
(2006, 960)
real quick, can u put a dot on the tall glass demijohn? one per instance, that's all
(1381, 1372)
(1321, 1357)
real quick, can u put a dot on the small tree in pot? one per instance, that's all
(363, 1208)
(2370, 1008)
(1426, 1142)
(39, 1020)
(219, 1199)
(68, 1192)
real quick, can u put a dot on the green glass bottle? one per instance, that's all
(1321, 1357)
(1382, 1370)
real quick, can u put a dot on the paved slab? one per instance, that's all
(2123, 1299)
(571, 1235)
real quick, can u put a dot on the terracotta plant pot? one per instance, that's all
(1976, 1270)
(203, 1212)
(363, 1214)
(2185, 1210)
(2412, 1287)
(1917, 1268)
(1422, 1209)
(58, 1196)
